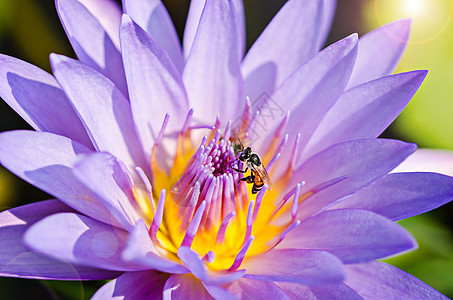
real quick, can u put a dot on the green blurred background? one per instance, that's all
(30, 30)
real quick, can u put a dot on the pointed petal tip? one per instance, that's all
(351, 39)
(405, 21)
(414, 243)
(413, 74)
(421, 73)
(126, 20)
(410, 147)
(56, 59)
(353, 36)
(417, 76)
(346, 44)
(400, 28)
(413, 146)
(407, 239)
(407, 244)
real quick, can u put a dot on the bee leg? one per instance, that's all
(240, 171)
(248, 179)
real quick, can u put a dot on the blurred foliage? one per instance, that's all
(14, 288)
(30, 30)
(7, 189)
(74, 290)
(432, 262)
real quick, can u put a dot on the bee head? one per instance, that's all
(245, 154)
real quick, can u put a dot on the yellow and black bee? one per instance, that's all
(258, 174)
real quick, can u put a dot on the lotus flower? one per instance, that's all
(139, 141)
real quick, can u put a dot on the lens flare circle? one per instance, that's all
(424, 14)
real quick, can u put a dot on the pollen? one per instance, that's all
(201, 202)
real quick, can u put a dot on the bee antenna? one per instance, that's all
(240, 142)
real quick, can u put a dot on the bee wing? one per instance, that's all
(262, 173)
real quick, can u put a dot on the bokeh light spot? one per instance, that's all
(104, 244)
(430, 18)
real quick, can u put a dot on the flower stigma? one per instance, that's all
(201, 203)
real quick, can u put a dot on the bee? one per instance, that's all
(258, 174)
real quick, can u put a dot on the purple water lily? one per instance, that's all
(138, 142)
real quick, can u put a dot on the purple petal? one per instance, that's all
(108, 179)
(18, 261)
(193, 262)
(141, 250)
(352, 165)
(290, 39)
(328, 15)
(133, 285)
(296, 291)
(81, 240)
(256, 289)
(152, 16)
(104, 111)
(380, 51)
(218, 292)
(108, 13)
(91, 42)
(319, 73)
(308, 267)
(308, 93)
(365, 111)
(301, 292)
(155, 84)
(378, 280)
(428, 160)
(402, 195)
(184, 287)
(341, 291)
(36, 96)
(193, 20)
(350, 234)
(212, 75)
(45, 160)
(240, 18)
